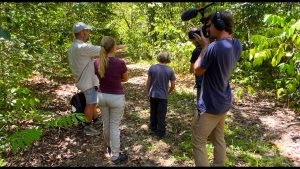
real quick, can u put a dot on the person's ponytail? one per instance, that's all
(107, 45)
(102, 61)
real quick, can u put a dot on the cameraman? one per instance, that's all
(216, 63)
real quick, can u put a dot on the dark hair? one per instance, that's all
(226, 17)
(163, 57)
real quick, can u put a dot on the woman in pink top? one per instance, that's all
(111, 72)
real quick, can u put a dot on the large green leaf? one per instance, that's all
(274, 20)
(291, 87)
(279, 92)
(296, 25)
(2, 162)
(277, 57)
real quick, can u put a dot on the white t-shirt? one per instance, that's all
(80, 56)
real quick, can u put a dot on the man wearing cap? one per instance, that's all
(81, 59)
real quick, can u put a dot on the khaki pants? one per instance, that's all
(210, 126)
(112, 110)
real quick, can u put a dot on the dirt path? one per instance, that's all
(70, 147)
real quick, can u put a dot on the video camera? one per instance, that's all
(192, 13)
(193, 31)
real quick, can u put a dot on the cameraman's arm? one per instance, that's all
(204, 43)
(120, 47)
(192, 68)
(195, 55)
(198, 70)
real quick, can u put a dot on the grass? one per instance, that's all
(245, 146)
(239, 152)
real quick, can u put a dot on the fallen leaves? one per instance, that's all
(71, 147)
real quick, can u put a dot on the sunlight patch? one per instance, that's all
(166, 162)
(270, 121)
(289, 144)
(137, 148)
(134, 66)
(139, 80)
(66, 90)
(144, 113)
(38, 79)
(144, 127)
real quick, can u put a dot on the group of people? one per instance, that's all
(99, 74)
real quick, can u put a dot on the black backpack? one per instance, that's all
(78, 102)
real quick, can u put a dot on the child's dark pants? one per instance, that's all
(158, 111)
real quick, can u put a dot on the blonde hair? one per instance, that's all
(107, 44)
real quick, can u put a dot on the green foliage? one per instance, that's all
(274, 20)
(4, 34)
(184, 151)
(34, 39)
(274, 53)
(239, 93)
(159, 26)
(24, 138)
(66, 121)
(2, 162)
(244, 146)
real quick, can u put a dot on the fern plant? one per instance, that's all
(66, 121)
(24, 138)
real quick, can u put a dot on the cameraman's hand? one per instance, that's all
(121, 47)
(202, 40)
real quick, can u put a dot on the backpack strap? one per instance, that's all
(83, 71)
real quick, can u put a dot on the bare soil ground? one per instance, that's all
(70, 147)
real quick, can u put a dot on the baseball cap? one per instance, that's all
(79, 26)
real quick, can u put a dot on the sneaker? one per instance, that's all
(122, 157)
(163, 136)
(88, 130)
(108, 150)
(97, 122)
(152, 131)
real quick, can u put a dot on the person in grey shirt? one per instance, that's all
(159, 76)
(81, 60)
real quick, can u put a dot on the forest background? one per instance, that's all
(35, 38)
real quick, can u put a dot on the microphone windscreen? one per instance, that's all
(189, 14)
